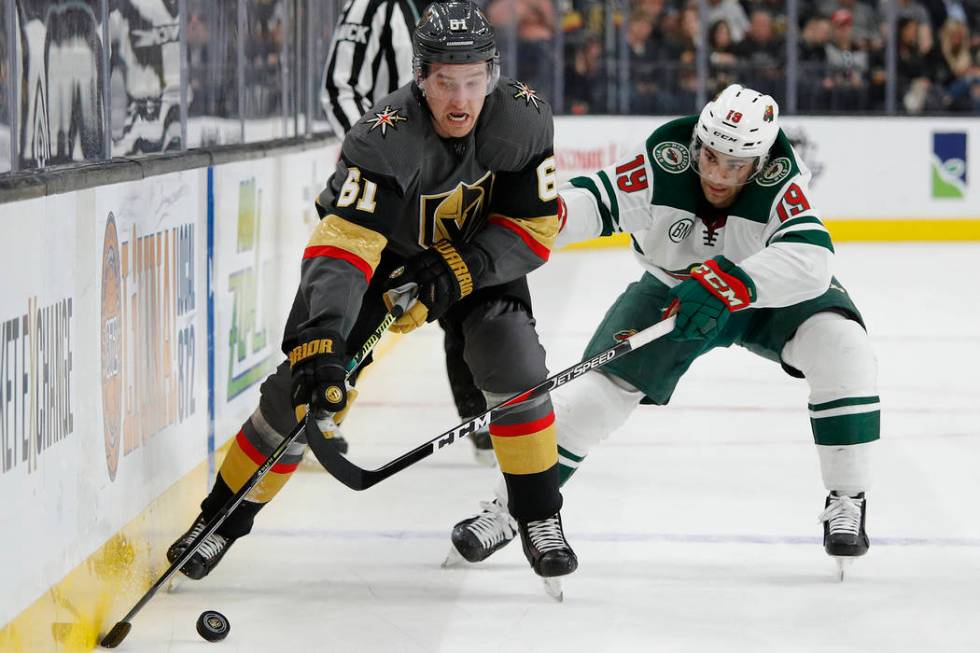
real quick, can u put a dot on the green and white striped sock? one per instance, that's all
(852, 420)
(567, 464)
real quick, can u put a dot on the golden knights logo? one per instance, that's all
(455, 213)
(526, 93)
(387, 118)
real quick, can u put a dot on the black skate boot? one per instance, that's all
(483, 448)
(477, 538)
(548, 552)
(207, 556)
(546, 548)
(844, 537)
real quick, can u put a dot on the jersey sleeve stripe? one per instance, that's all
(537, 233)
(805, 222)
(335, 237)
(608, 227)
(819, 238)
(326, 251)
(613, 201)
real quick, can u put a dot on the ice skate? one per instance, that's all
(844, 537)
(207, 556)
(483, 448)
(477, 538)
(548, 552)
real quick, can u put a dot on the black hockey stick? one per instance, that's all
(118, 633)
(358, 478)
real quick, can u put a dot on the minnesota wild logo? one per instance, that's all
(672, 157)
(770, 114)
(776, 172)
(625, 334)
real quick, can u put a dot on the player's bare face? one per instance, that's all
(455, 94)
(722, 176)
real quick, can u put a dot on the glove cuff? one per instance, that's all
(727, 282)
(309, 343)
(454, 261)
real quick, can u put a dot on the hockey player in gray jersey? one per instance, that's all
(371, 56)
(451, 181)
(720, 218)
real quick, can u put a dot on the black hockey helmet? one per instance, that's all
(454, 33)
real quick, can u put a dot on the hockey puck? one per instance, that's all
(213, 626)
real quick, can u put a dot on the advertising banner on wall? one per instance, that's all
(41, 392)
(247, 283)
(152, 328)
(863, 168)
(263, 215)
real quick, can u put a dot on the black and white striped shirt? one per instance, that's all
(370, 56)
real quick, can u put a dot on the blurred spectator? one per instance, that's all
(722, 46)
(653, 9)
(585, 86)
(814, 39)
(721, 58)
(762, 54)
(847, 65)
(957, 70)
(954, 44)
(643, 62)
(533, 22)
(915, 71)
(867, 26)
(811, 94)
(732, 13)
(913, 10)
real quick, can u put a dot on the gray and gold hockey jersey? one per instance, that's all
(400, 187)
(771, 230)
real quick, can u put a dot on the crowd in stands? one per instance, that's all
(841, 54)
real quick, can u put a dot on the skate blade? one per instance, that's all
(843, 564)
(552, 586)
(485, 457)
(453, 559)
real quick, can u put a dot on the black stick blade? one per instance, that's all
(116, 635)
(330, 457)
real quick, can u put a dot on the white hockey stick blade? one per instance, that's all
(554, 589)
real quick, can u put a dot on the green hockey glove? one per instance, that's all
(704, 302)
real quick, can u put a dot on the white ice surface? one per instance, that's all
(695, 524)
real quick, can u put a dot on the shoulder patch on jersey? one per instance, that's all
(509, 136)
(388, 117)
(673, 157)
(526, 93)
(775, 173)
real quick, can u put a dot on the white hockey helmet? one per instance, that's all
(739, 122)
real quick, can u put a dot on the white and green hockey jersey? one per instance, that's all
(771, 231)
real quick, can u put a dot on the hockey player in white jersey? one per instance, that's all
(719, 213)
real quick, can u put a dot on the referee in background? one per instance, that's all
(371, 56)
